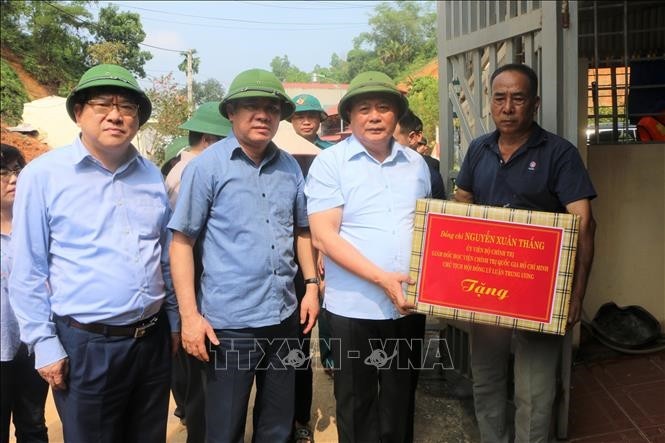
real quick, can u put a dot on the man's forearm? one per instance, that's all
(181, 254)
(584, 257)
(305, 252)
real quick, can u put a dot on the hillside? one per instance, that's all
(34, 89)
(29, 146)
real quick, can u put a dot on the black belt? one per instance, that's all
(136, 330)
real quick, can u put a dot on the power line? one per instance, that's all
(313, 26)
(310, 5)
(163, 49)
(236, 20)
(95, 25)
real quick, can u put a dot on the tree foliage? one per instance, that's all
(210, 90)
(52, 38)
(125, 31)
(196, 62)
(400, 36)
(12, 95)
(169, 110)
(60, 40)
(286, 72)
(106, 52)
(424, 102)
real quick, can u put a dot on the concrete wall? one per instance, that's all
(629, 266)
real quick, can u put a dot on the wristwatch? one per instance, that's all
(312, 281)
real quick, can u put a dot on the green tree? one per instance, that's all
(106, 52)
(12, 95)
(286, 72)
(51, 37)
(122, 32)
(424, 101)
(401, 34)
(337, 72)
(169, 110)
(196, 62)
(210, 90)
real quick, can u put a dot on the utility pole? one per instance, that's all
(190, 95)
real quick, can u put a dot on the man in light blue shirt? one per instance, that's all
(242, 199)
(91, 287)
(361, 198)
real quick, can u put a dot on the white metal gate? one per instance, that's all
(475, 37)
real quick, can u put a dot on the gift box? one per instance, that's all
(492, 265)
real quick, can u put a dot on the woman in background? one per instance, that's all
(22, 391)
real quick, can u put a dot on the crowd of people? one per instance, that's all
(122, 282)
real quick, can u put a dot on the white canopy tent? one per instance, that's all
(49, 116)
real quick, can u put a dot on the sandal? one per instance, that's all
(303, 435)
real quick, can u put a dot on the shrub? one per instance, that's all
(12, 94)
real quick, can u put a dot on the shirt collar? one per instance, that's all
(81, 153)
(537, 138)
(235, 151)
(356, 149)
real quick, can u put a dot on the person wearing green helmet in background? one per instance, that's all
(242, 199)
(307, 119)
(206, 126)
(92, 289)
(172, 153)
(361, 199)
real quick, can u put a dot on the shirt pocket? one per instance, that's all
(146, 216)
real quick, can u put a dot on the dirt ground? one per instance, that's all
(29, 146)
(444, 413)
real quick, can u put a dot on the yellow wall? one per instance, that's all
(629, 265)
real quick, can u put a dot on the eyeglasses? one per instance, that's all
(103, 107)
(5, 174)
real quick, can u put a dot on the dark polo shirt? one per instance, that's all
(545, 174)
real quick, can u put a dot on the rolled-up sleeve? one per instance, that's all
(29, 291)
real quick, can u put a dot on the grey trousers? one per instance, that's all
(535, 369)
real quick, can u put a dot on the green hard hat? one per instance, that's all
(174, 148)
(372, 82)
(309, 103)
(258, 83)
(207, 120)
(110, 75)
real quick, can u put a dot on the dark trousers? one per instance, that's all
(373, 379)
(22, 398)
(266, 354)
(118, 387)
(413, 329)
(187, 387)
(303, 383)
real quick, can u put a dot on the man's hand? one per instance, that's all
(195, 329)
(56, 373)
(574, 311)
(175, 343)
(391, 283)
(309, 308)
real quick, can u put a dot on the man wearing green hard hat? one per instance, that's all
(172, 153)
(242, 200)
(92, 292)
(206, 126)
(307, 119)
(361, 198)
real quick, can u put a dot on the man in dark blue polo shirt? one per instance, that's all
(521, 165)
